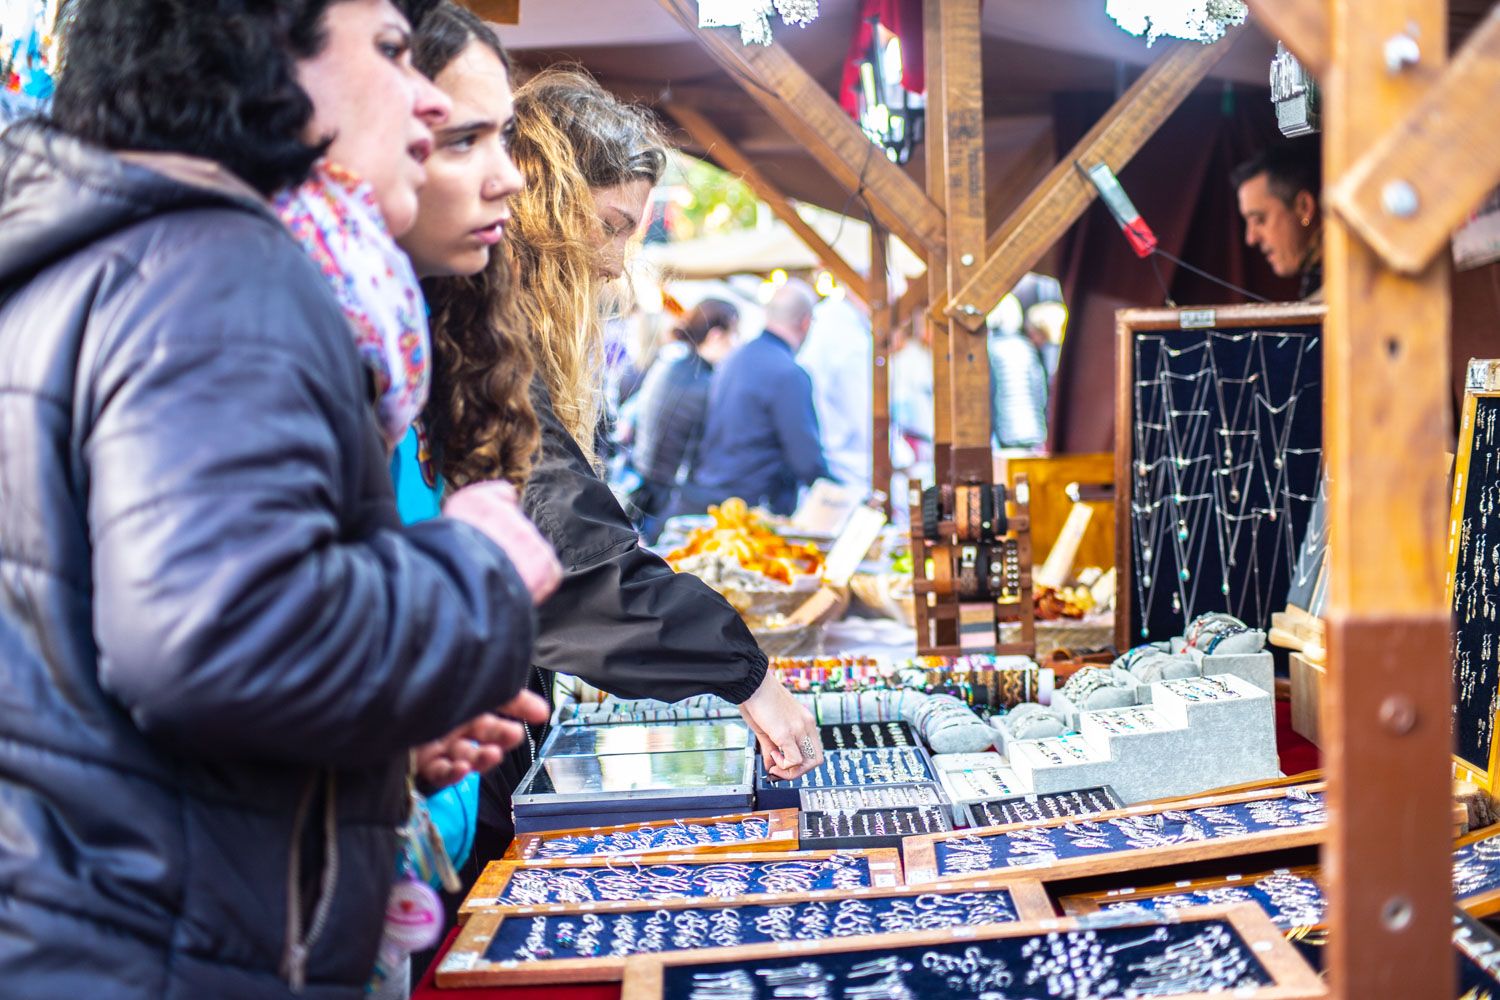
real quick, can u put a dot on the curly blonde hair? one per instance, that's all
(572, 136)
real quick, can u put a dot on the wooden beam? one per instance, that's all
(717, 145)
(933, 149)
(880, 337)
(496, 11)
(1387, 394)
(1300, 25)
(1060, 199)
(1420, 182)
(800, 105)
(962, 134)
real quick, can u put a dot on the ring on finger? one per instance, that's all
(808, 748)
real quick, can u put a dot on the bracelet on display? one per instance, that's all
(968, 572)
(1002, 519)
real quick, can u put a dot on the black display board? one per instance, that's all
(1219, 448)
(1036, 808)
(1474, 546)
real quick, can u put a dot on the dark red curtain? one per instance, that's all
(1180, 183)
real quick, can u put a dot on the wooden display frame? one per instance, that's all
(1031, 901)
(782, 836)
(1481, 904)
(920, 856)
(1482, 381)
(1128, 323)
(1083, 903)
(1292, 979)
(884, 862)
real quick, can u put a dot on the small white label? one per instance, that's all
(1196, 319)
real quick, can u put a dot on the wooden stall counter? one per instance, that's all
(427, 988)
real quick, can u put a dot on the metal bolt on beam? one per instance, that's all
(1401, 51)
(1400, 199)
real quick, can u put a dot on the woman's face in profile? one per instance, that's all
(620, 210)
(463, 209)
(379, 111)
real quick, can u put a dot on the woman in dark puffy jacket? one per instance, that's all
(218, 641)
(673, 405)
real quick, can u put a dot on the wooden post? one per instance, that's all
(880, 339)
(717, 145)
(1387, 425)
(799, 104)
(962, 134)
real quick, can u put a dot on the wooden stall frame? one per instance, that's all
(1293, 980)
(884, 862)
(783, 828)
(471, 969)
(1483, 382)
(1082, 903)
(919, 853)
(1128, 323)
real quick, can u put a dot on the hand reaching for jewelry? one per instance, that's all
(478, 744)
(788, 737)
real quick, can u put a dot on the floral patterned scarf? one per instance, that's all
(335, 218)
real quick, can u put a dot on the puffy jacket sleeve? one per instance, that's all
(255, 593)
(623, 620)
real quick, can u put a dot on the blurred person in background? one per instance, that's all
(1278, 198)
(761, 441)
(673, 405)
(1018, 380)
(839, 356)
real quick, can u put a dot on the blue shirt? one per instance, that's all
(760, 441)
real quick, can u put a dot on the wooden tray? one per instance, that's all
(782, 837)
(920, 856)
(885, 873)
(465, 963)
(1291, 979)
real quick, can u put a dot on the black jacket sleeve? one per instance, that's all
(622, 619)
(255, 594)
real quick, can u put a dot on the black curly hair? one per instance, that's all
(209, 78)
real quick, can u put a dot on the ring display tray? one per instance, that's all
(611, 882)
(1291, 897)
(868, 735)
(1040, 808)
(581, 943)
(1476, 873)
(1478, 957)
(1140, 837)
(870, 797)
(847, 768)
(759, 831)
(1213, 952)
(869, 827)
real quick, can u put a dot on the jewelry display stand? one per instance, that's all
(838, 831)
(1214, 952)
(612, 882)
(1218, 443)
(978, 538)
(760, 831)
(1137, 838)
(845, 769)
(579, 943)
(1040, 808)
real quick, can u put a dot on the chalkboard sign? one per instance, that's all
(557, 944)
(1208, 953)
(1474, 576)
(1218, 450)
(1145, 836)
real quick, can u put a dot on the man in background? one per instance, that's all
(761, 440)
(838, 357)
(1278, 199)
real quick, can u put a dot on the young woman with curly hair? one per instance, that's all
(621, 619)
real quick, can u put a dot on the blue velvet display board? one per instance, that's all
(684, 835)
(593, 935)
(721, 880)
(1033, 846)
(1139, 961)
(1478, 956)
(1476, 869)
(1290, 899)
